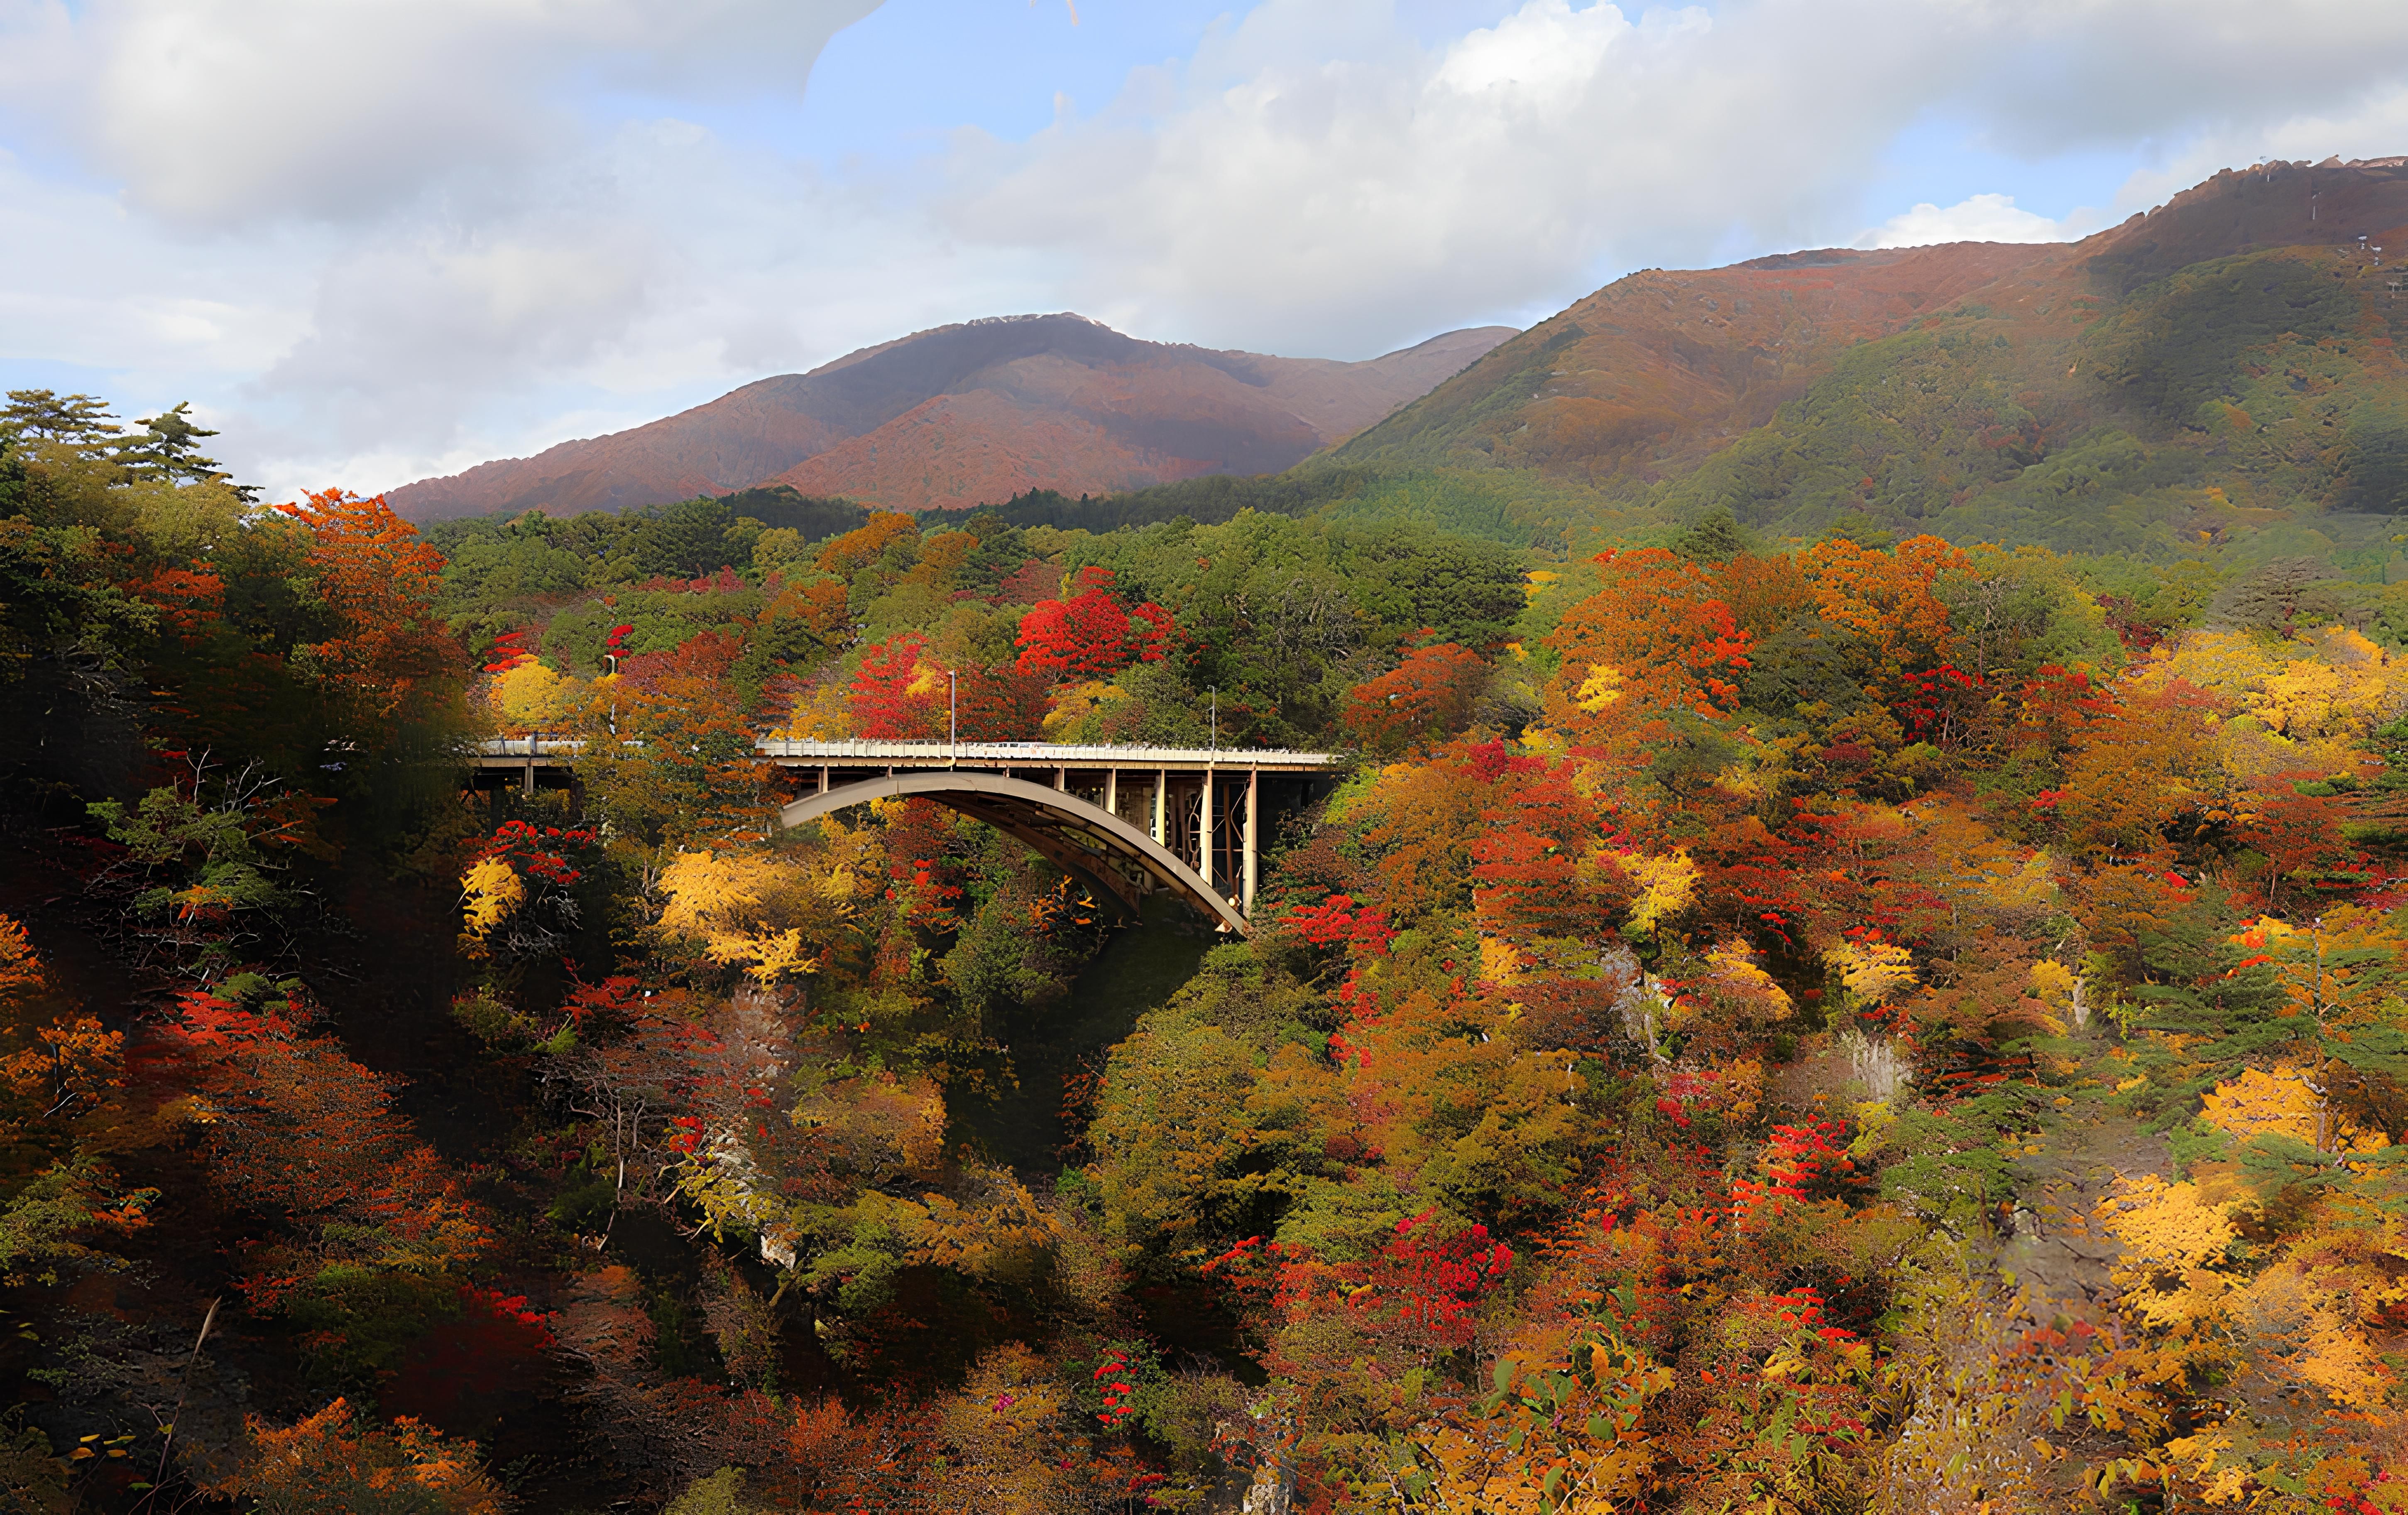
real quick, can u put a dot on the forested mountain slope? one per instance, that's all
(1853, 1025)
(1842, 1028)
(972, 414)
(2222, 363)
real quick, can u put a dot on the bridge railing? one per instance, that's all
(875, 751)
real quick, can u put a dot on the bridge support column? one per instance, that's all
(1161, 799)
(1111, 791)
(1206, 834)
(823, 778)
(529, 788)
(1061, 827)
(1254, 846)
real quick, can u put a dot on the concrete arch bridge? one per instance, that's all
(1122, 820)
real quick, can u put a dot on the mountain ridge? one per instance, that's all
(2224, 362)
(984, 408)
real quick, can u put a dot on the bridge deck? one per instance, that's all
(1202, 806)
(864, 752)
(861, 752)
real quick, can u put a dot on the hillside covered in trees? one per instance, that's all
(1780, 1011)
(2223, 365)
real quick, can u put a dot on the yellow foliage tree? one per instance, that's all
(2059, 989)
(1876, 973)
(1733, 977)
(771, 914)
(2301, 704)
(2307, 1316)
(877, 1128)
(2285, 1102)
(2176, 1265)
(1006, 1434)
(1074, 708)
(490, 892)
(1560, 1432)
(2133, 772)
(2296, 1323)
(1666, 886)
(2342, 978)
(996, 1232)
(1976, 870)
(532, 697)
(821, 714)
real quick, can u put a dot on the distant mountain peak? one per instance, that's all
(969, 413)
(1008, 320)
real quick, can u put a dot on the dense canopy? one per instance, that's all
(1858, 1021)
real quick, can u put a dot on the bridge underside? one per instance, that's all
(1089, 843)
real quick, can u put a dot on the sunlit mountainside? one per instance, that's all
(2212, 367)
(969, 414)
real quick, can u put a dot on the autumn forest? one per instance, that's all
(1799, 995)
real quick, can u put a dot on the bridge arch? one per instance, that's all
(1084, 841)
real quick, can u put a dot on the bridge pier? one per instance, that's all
(1075, 836)
(1253, 846)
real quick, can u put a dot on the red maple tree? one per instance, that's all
(1093, 634)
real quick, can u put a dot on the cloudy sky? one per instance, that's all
(374, 239)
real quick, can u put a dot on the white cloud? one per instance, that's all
(675, 266)
(216, 112)
(1336, 197)
(2371, 125)
(370, 236)
(2052, 74)
(84, 278)
(1305, 201)
(1980, 218)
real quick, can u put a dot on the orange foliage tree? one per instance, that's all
(670, 744)
(1660, 636)
(378, 584)
(1429, 694)
(338, 1458)
(1885, 597)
